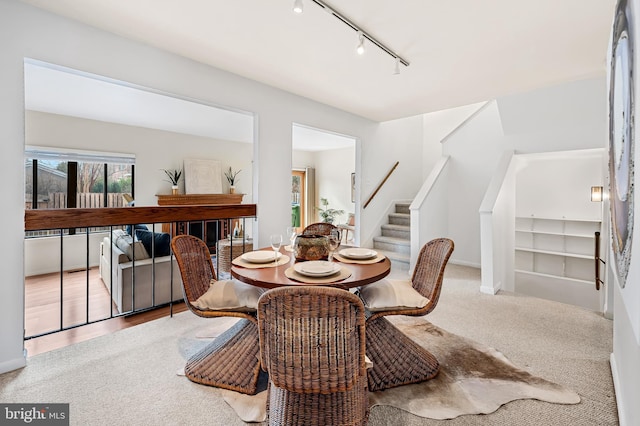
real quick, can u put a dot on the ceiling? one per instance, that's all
(460, 52)
(59, 90)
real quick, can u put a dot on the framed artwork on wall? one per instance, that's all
(621, 139)
(353, 187)
(202, 176)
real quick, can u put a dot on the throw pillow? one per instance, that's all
(229, 294)
(131, 229)
(390, 294)
(125, 243)
(159, 242)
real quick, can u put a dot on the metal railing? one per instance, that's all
(179, 219)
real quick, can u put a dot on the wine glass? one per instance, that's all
(291, 233)
(276, 242)
(333, 242)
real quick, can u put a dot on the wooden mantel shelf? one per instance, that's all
(198, 199)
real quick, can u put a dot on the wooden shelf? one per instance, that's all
(198, 199)
(210, 231)
(540, 274)
(555, 253)
(554, 250)
(562, 234)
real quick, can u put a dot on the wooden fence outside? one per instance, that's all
(87, 200)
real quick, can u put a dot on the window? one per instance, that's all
(58, 179)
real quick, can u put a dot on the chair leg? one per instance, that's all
(397, 360)
(231, 361)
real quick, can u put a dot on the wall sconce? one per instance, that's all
(596, 194)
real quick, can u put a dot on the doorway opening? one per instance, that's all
(323, 168)
(298, 196)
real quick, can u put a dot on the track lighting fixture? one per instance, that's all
(360, 48)
(362, 35)
(298, 6)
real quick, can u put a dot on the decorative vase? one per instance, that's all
(174, 190)
(310, 247)
(232, 189)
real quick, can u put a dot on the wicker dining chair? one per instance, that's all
(312, 344)
(231, 360)
(398, 360)
(321, 228)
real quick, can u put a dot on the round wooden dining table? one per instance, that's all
(397, 359)
(274, 276)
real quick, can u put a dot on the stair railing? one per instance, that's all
(380, 185)
(598, 259)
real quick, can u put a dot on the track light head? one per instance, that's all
(360, 47)
(362, 35)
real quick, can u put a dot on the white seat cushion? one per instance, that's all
(229, 294)
(131, 248)
(388, 294)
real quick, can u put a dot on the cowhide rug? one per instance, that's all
(473, 379)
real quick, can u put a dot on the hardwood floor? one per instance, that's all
(42, 310)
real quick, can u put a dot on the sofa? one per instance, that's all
(117, 261)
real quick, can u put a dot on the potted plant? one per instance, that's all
(173, 176)
(231, 178)
(328, 215)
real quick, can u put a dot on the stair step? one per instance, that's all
(403, 208)
(399, 219)
(397, 231)
(399, 259)
(392, 244)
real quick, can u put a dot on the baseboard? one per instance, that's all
(617, 390)
(489, 290)
(464, 263)
(13, 364)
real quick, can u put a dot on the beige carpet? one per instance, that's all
(474, 379)
(129, 377)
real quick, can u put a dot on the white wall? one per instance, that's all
(437, 126)
(42, 255)
(333, 180)
(475, 150)
(625, 360)
(559, 185)
(497, 228)
(397, 140)
(428, 219)
(303, 159)
(30, 32)
(154, 150)
(558, 118)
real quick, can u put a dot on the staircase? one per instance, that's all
(395, 239)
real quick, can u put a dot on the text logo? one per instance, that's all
(34, 414)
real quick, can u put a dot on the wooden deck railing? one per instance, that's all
(35, 220)
(64, 219)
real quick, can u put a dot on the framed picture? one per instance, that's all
(353, 187)
(202, 176)
(621, 139)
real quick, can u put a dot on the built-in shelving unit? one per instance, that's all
(554, 255)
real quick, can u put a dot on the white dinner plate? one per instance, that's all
(358, 253)
(316, 268)
(260, 256)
